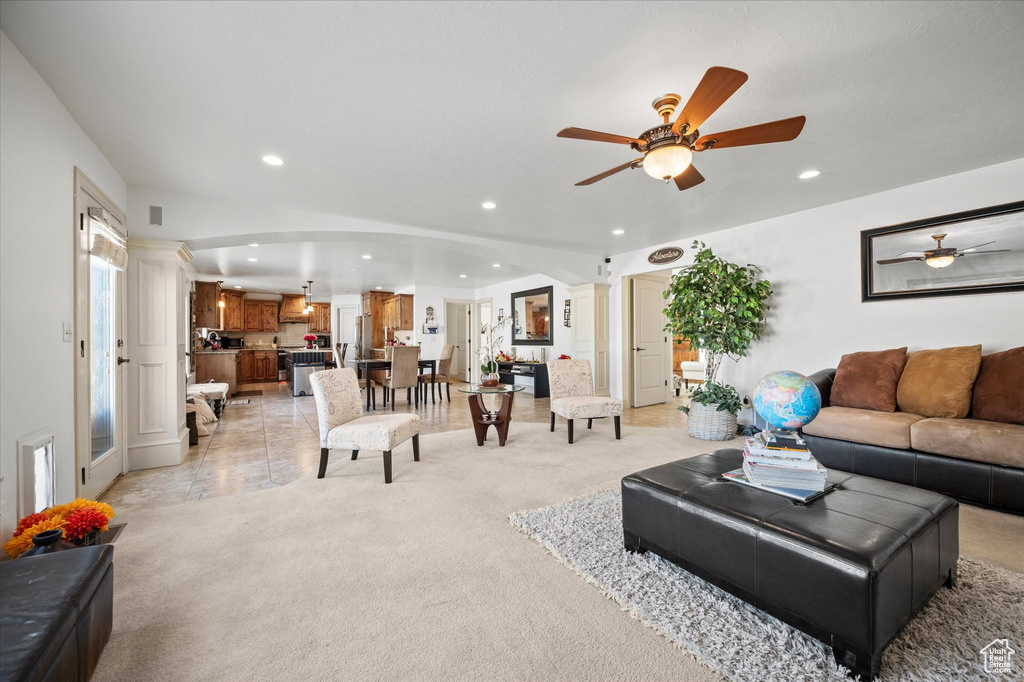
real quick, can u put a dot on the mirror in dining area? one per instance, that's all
(531, 317)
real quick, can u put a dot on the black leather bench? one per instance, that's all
(56, 614)
(850, 568)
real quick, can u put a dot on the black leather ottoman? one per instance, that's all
(850, 568)
(56, 614)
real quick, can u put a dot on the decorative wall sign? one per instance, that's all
(566, 314)
(663, 256)
(973, 252)
(430, 314)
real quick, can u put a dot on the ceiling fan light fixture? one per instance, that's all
(939, 261)
(664, 163)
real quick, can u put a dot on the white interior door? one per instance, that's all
(464, 347)
(650, 370)
(345, 331)
(99, 358)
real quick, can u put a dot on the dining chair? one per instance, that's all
(572, 396)
(444, 368)
(365, 382)
(342, 425)
(404, 363)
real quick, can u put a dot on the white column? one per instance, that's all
(158, 329)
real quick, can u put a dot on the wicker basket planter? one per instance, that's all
(708, 423)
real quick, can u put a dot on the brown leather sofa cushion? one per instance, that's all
(868, 379)
(974, 439)
(871, 427)
(999, 390)
(938, 383)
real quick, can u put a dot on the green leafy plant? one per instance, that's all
(721, 307)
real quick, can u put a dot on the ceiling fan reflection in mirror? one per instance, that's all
(668, 149)
(940, 256)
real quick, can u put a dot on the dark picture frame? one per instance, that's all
(869, 239)
(517, 340)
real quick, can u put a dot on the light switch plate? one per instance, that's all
(68, 333)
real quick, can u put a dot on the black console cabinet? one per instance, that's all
(508, 371)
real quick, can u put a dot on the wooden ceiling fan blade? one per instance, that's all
(890, 261)
(978, 253)
(916, 254)
(777, 131)
(717, 85)
(613, 171)
(596, 136)
(976, 246)
(690, 177)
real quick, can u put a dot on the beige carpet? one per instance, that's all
(346, 578)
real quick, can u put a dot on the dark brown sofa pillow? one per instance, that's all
(938, 383)
(868, 379)
(999, 390)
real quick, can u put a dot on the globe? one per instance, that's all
(787, 399)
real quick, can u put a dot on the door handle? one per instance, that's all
(121, 361)
(638, 349)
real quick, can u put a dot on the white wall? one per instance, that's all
(812, 259)
(41, 146)
(434, 297)
(501, 295)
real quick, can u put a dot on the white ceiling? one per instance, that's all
(414, 113)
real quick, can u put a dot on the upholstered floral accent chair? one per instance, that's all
(572, 396)
(339, 410)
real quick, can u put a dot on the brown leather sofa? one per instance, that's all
(972, 459)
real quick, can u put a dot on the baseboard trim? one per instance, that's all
(160, 454)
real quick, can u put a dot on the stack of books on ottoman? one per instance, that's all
(780, 462)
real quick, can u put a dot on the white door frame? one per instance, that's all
(339, 310)
(84, 466)
(472, 324)
(627, 335)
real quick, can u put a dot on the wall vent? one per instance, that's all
(156, 215)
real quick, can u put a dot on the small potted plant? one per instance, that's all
(720, 306)
(489, 352)
(79, 522)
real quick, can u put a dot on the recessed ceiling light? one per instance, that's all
(252, 260)
(496, 265)
(378, 288)
(238, 286)
(254, 244)
(807, 175)
(618, 232)
(489, 205)
(272, 160)
(351, 268)
(462, 276)
(367, 256)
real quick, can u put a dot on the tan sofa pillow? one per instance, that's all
(938, 383)
(868, 379)
(999, 390)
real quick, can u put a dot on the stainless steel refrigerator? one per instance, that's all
(364, 336)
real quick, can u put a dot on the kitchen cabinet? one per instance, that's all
(320, 319)
(265, 365)
(245, 361)
(291, 308)
(260, 316)
(207, 310)
(398, 312)
(233, 313)
(220, 366)
(269, 314)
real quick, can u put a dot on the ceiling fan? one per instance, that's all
(668, 148)
(940, 257)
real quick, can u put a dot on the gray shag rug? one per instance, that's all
(744, 643)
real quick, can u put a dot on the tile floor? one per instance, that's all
(273, 440)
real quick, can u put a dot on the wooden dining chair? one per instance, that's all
(444, 368)
(404, 362)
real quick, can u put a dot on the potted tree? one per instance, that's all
(720, 306)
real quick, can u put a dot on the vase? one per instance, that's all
(708, 423)
(46, 542)
(490, 379)
(309, 345)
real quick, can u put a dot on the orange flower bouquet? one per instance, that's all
(81, 521)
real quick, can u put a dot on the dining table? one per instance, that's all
(367, 365)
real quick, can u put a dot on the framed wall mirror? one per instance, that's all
(531, 317)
